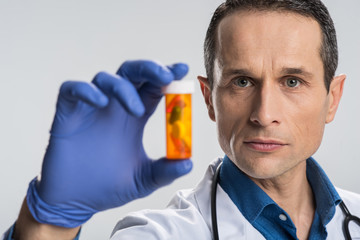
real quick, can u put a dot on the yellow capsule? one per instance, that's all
(178, 129)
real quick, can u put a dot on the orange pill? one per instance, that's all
(178, 119)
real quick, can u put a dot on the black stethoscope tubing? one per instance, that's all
(348, 216)
(213, 203)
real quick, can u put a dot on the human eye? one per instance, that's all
(243, 82)
(292, 82)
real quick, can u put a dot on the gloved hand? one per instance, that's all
(95, 159)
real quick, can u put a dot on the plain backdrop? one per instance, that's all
(45, 42)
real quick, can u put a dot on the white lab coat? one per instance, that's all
(188, 216)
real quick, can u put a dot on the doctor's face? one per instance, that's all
(269, 99)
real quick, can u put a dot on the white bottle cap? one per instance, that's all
(181, 87)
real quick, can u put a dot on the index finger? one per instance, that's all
(144, 71)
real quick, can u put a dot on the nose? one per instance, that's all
(266, 107)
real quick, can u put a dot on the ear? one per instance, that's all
(206, 91)
(335, 92)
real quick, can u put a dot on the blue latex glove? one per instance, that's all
(95, 159)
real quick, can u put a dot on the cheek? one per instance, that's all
(308, 125)
(223, 116)
(231, 116)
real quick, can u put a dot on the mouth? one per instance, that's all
(264, 145)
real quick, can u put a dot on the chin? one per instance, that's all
(263, 167)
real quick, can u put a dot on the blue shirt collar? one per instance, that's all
(326, 196)
(247, 196)
(251, 200)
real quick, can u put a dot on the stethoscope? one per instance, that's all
(348, 216)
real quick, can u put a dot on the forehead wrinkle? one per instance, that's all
(226, 28)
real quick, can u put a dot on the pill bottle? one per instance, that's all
(178, 119)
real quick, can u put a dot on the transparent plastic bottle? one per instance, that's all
(178, 119)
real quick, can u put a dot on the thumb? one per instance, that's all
(165, 171)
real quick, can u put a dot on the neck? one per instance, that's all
(293, 193)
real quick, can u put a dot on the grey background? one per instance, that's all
(45, 42)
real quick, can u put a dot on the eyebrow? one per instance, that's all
(284, 71)
(242, 72)
(298, 71)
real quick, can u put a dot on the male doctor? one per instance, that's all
(270, 88)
